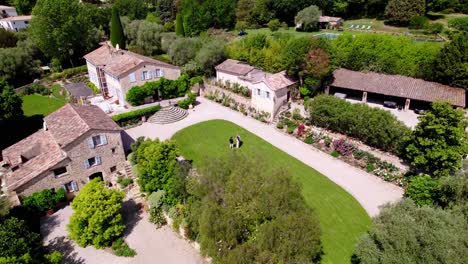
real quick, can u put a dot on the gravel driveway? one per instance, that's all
(152, 245)
(370, 191)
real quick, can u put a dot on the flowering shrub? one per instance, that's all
(300, 129)
(343, 147)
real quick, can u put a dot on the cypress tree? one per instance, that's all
(179, 27)
(117, 35)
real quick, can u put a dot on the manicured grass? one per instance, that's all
(342, 218)
(36, 104)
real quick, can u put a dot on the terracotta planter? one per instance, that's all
(50, 212)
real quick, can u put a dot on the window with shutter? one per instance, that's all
(86, 164)
(150, 75)
(98, 160)
(162, 73)
(103, 139)
(142, 76)
(74, 186)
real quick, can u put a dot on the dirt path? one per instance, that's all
(370, 191)
(152, 245)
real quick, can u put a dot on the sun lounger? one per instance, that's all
(351, 27)
(368, 27)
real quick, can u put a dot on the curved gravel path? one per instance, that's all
(370, 191)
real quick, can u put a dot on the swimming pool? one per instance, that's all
(328, 35)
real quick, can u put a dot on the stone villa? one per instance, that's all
(77, 144)
(115, 71)
(269, 91)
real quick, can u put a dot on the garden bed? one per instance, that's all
(339, 147)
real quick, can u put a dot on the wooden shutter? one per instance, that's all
(103, 139)
(91, 143)
(150, 73)
(162, 72)
(142, 76)
(98, 160)
(74, 186)
(86, 164)
(63, 186)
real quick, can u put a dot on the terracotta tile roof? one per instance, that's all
(71, 121)
(4, 7)
(234, 67)
(33, 156)
(17, 18)
(398, 86)
(329, 19)
(278, 81)
(118, 62)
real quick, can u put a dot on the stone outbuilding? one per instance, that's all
(77, 143)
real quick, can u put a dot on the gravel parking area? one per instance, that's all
(152, 245)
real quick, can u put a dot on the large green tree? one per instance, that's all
(243, 212)
(96, 218)
(24, 7)
(144, 37)
(451, 64)
(405, 233)
(400, 12)
(10, 103)
(19, 65)
(117, 36)
(62, 29)
(438, 141)
(308, 18)
(166, 10)
(157, 168)
(8, 38)
(16, 239)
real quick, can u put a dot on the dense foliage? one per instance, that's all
(438, 141)
(375, 127)
(16, 239)
(97, 218)
(144, 37)
(134, 116)
(243, 212)
(400, 12)
(19, 64)
(460, 23)
(308, 18)
(280, 52)
(44, 200)
(423, 190)
(8, 39)
(187, 102)
(408, 234)
(158, 169)
(24, 7)
(63, 29)
(450, 65)
(198, 16)
(166, 88)
(117, 36)
(386, 54)
(10, 103)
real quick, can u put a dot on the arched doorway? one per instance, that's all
(96, 175)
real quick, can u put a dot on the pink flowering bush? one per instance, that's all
(343, 147)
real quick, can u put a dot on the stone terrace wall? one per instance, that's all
(238, 98)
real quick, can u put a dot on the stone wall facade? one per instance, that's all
(111, 155)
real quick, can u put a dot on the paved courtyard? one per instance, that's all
(152, 245)
(370, 191)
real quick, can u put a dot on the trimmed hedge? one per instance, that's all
(460, 23)
(190, 100)
(69, 72)
(44, 200)
(134, 117)
(375, 127)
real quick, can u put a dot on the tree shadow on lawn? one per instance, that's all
(131, 212)
(66, 247)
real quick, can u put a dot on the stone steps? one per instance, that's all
(128, 170)
(168, 115)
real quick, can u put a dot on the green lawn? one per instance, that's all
(36, 104)
(343, 220)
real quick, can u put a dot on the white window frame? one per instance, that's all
(92, 142)
(62, 174)
(97, 161)
(132, 77)
(70, 187)
(158, 73)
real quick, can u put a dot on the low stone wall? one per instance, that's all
(238, 98)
